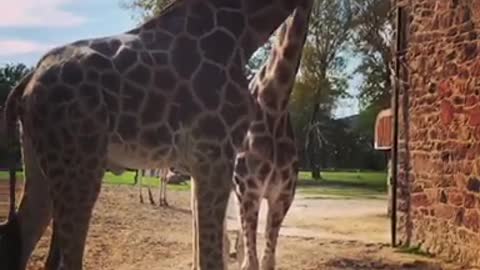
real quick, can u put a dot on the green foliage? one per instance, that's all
(375, 88)
(145, 9)
(322, 79)
(367, 118)
(372, 39)
(364, 131)
(323, 65)
(258, 59)
(10, 75)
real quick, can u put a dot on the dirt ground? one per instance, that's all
(126, 235)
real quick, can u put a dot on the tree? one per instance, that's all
(10, 75)
(258, 59)
(145, 9)
(372, 40)
(322, 79)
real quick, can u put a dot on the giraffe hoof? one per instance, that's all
(164, 205)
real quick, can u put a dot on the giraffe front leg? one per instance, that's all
(239, 248)
(193, 206)
(211, 189)
(238, 253)
(163, 192)
(160, 192)
(277, 210)
(226, 243)
(165, 186)
(150, 196)
(249, 206)
(139, 184)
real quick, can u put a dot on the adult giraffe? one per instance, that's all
(170, 92)
(268, 165)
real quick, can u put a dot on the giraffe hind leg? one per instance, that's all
(72, 214)
(54, 253)
(75, 179)
(35, 209)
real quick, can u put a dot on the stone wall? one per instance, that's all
(439, 132)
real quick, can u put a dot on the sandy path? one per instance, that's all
(363, 220)
(126, 235)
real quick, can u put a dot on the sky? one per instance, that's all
(29, 28)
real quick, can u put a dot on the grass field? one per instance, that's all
(126, 178)
(342, 185)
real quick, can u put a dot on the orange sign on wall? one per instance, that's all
(384, 130)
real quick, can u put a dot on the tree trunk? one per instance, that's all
(312, 155)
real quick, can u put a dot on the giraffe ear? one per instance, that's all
(10, 245)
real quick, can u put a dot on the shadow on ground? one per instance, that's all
(368, 264)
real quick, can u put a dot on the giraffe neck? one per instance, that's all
(276, 78)
(263, 18)
(247, 23)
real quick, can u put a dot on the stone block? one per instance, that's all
(471, 220)
(455, 198)
(420, 200)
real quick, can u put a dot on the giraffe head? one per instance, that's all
(10, 244)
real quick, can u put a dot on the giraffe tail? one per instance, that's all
(12, 113)
(10, 238)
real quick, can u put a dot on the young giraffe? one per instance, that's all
(164, 176)
(268, 166)
(140, 174)
(170, 92)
